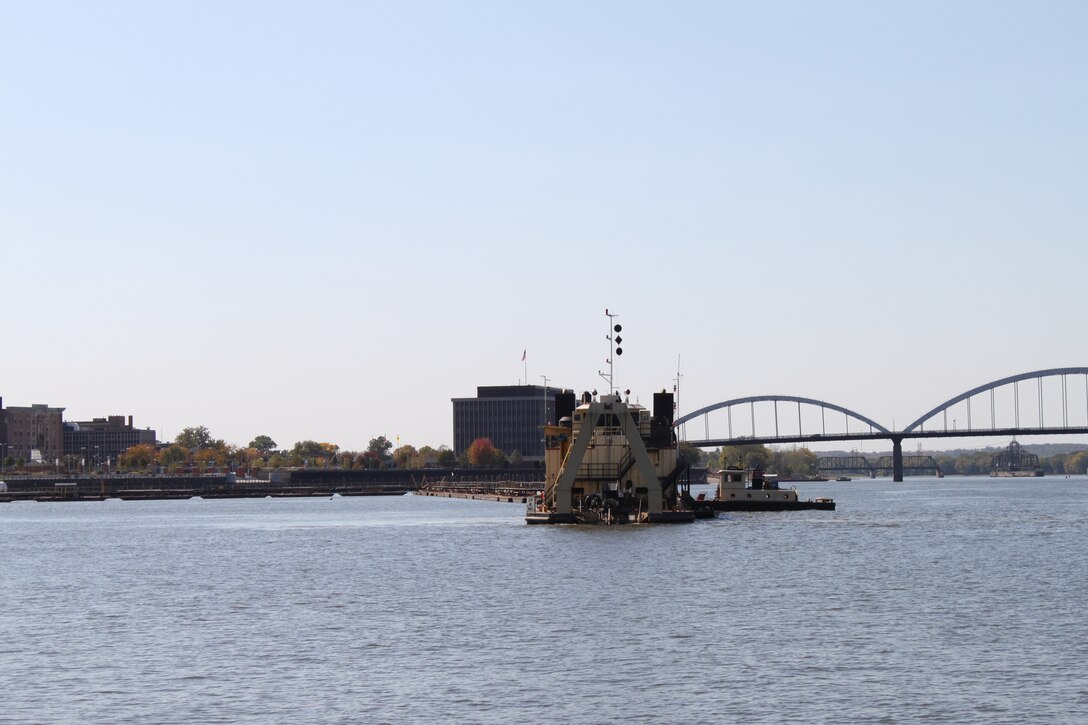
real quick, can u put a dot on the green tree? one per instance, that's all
(690, 455)
(446, 457)
(194, 438)
(308, 449)
(263, 443)
(173, 455)
(379, 448)
(308, 453)
(425, 455)
(748, 455)
(797, 463)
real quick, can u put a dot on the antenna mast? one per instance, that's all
(613, 350)
(676, 402)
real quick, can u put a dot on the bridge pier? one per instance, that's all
(897, 459)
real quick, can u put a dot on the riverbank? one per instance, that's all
(150, 488)
(324, 483)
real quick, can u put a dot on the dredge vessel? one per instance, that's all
(611, 461)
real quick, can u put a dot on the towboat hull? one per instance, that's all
(768, 505)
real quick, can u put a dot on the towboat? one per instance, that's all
(753, 490)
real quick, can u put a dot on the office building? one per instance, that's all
(510, 416)
(102, 440)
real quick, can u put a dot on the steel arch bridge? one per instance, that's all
(751, 400)
(1072, 421)
(1014, 381)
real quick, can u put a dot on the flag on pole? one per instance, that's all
(523, 355)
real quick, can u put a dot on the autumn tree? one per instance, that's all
(405, 456)
(137, 457)
(248, 457)
(1076, 463)
(483, 452)
(205, 457)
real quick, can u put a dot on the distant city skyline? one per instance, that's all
(325, 221)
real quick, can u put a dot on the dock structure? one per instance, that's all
(149, 488)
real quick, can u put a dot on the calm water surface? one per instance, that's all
(959, 600)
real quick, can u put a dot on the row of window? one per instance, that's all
(509, 424)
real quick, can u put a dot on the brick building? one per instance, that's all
(33, 433)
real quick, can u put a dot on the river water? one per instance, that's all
(948, 600)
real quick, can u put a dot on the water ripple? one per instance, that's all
(931, 601)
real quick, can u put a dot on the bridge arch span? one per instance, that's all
(1034, 375)
(781, 399)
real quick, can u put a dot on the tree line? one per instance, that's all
(801, 462)
(196, 450)
(980, 463)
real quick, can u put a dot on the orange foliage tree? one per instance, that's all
(137, 457)
(483, 452)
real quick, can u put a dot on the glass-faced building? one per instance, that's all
(510, 416)
(103, 439)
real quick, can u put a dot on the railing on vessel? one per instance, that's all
(595, 471)
(499, 488)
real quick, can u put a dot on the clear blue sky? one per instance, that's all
(324, 220)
